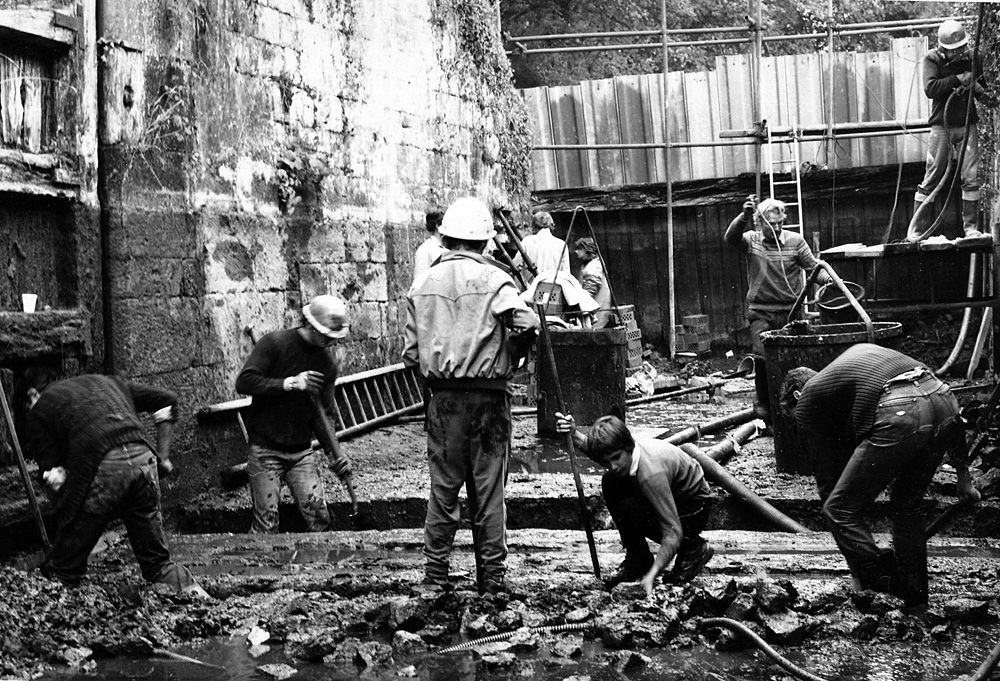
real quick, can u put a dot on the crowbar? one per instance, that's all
(32, 499)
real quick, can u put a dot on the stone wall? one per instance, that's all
(256, 152)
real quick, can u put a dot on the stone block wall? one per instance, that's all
(257, 152)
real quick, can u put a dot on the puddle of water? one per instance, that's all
(846, 661)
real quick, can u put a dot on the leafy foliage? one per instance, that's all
(779, 17)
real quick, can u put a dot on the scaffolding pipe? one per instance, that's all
(758, 48)
(672, 337)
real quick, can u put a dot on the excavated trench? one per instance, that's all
(348, 604)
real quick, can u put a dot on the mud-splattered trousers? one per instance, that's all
(916, 421)
(126, 486)
(267, 468)
(468, 443)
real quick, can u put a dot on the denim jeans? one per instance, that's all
(916, 421)
(636, 520)
(468, 443)
(126, 486)
(941, 147)
(267, 468)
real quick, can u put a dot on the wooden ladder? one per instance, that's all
(364, 400)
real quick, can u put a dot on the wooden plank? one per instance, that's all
(737, 107)
(543, 163)
(31, 98)
(698, 107)
(34, 25)
(651, 91)
(11, 107)
(908, 95)
(679, 128)
(880, 105)
(601, 126)
(718, 153)
(808, 88)
(570, 165)
(632, 123)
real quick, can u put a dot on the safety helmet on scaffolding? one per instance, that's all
(468, 218)
(952, 35)
(769, 206)
(328, 316)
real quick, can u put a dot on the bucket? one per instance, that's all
(834, 307)
(590, 364)
(813, 347)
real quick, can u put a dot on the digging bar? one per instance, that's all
(32, 499)
(360, 520)
(584, 513)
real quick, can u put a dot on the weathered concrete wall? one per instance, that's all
(259, 151)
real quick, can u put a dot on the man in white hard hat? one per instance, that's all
(950, 77)
(281, 372)
(466, 328)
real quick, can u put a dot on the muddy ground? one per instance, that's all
(350, 604)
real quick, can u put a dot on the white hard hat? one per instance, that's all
(328, 315)
(468, 218)
(952, 35)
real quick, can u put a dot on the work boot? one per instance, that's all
(919, 221)
(631, 570)
(970, 218)
(688, 567)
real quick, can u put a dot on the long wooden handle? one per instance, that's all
(584, 512)
(331, 437)
(32, 499)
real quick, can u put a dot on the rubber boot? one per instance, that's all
(970, 218)
(762, 401)
(919, 221)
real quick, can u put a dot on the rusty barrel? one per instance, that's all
(590, 365)
(812, 346)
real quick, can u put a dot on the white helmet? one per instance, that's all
(328, 315)
(952, 35)
(468, 218)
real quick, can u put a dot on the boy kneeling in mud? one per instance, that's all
(652, 489)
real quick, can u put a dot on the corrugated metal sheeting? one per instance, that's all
(874, 86)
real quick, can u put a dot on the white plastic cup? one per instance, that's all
(28, 301)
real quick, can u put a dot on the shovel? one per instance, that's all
(362, 520)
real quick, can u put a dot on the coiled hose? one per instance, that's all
(503, 636)
(778, 659)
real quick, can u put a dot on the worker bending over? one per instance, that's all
(466, 330)
(652, 489)
(874, 419)
(93, 455)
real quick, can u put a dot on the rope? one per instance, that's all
(503, 636)
(775, 656)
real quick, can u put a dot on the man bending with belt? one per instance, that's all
(875, 419)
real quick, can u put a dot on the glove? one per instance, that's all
(307, 381)
(749, 206)
(55, 478)
(965, 77)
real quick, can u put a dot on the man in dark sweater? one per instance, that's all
(92, 452)
(953, 83)
(652, 489)
(874, 418)
(284, 368)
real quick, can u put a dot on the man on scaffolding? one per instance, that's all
(776, 259)
(949, 78)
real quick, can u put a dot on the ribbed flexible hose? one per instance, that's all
(966, 317)
(503, 636)
(742, 629)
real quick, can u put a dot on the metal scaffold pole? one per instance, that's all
(755, 97)
(670, 198)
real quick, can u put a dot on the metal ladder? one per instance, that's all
(787, 166)
(363, 401)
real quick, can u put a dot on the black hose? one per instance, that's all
(503, 636)
(778, 659)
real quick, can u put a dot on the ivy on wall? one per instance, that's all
(475, 24)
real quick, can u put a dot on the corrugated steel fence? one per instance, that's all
(876, 86)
